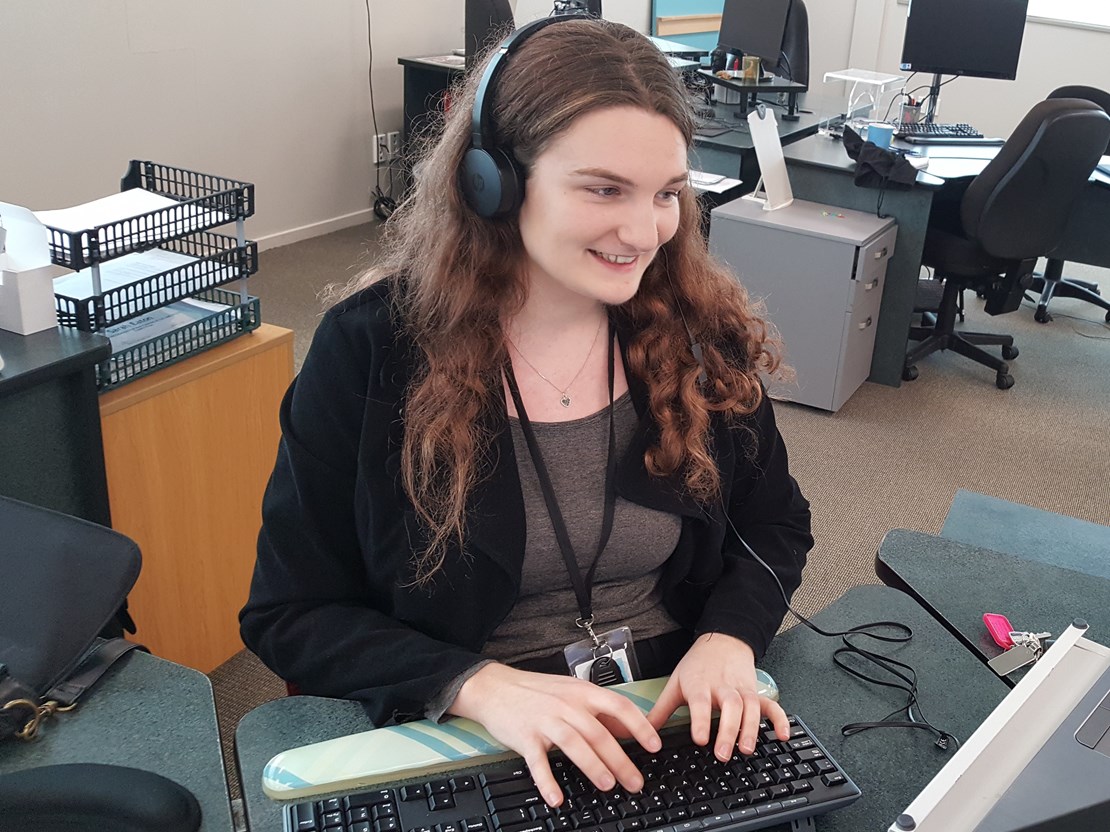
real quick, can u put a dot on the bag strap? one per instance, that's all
(96, 662)
(22, 712)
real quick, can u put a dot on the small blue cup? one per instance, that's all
(880, 134)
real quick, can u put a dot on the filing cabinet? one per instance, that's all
(820, 270)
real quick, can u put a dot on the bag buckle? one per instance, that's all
(38, 714)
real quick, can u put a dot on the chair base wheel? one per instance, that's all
(1004, 381)
(1041, 316)
(1010, 352)
(909, 373)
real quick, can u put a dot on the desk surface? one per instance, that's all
(889, 765)
(1034, 595)
(144, 713)
(31, 359)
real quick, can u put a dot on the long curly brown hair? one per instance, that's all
(463, 275)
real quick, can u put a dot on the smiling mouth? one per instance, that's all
(615, 259)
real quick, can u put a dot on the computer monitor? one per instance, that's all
(485, 21)
(793, 61)
(753, 27)
(980, 38)
(590, 7)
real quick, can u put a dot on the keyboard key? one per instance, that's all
(716, 820)
(449, 827)
(500, 775)
(823, 766)
(510, 817)
(439, 802)
(800, 743)
(780, 791)
(331, 819)
(383, 810)
(439, 787)
(799, 786)
(303, 817)
(832, 779)
(369, 798)
(795, 802)
(387, 825)
(475, 825)
(769, 808)
(358, 814)
(746, 813)
(413, 793)
(808, 754)
(462, 784)
(530, 826)
(361, 826)
(333, 804)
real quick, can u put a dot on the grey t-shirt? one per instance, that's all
(626, 582)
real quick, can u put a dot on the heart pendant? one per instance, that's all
(565, 400)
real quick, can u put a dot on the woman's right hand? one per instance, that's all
(531, 713)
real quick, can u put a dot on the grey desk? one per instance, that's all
(732, 154)
(52, 454)
(1033, 594)
(145, 713)
(821, 171)
(890, 765)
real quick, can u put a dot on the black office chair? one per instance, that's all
(1011, 214)
(1052, 283)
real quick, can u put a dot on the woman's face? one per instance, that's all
(600, 201)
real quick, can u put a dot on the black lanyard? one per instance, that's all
(583, 586)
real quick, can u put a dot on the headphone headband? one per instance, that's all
(481, 117)
(492, 182)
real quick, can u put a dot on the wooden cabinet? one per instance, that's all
(188, 451)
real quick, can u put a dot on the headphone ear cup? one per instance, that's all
(491, 182)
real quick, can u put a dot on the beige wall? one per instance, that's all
(275, 91)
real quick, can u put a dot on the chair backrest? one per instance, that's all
(1018, 206)
(1093, 94)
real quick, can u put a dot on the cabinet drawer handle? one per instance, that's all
(881, 253)
(865, 324)
(867, 287)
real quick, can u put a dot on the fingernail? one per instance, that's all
(722, 754)
(655, 745)
(747, 748)
(607, 782)
(636, 785)
(553, 799)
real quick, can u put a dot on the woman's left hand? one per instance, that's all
(718, 671)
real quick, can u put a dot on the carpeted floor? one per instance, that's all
(890, 458)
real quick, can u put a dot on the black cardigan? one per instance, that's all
(329, 610)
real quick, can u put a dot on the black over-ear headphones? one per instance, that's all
(491, 179)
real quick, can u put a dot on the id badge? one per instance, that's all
(609, 662)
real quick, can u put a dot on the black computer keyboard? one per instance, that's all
(685, 789)
(940, 131)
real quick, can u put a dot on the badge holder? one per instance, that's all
(608, 659)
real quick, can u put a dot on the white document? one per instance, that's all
(199, 275)
(129, 209)
(161, 321)
(764, 130)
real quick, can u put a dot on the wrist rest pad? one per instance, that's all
(421, 748)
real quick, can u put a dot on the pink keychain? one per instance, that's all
(999, 628)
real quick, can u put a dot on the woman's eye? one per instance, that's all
(670, 195)
(605, 191)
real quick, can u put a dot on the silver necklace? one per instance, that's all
(564, 396)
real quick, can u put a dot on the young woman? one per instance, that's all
(503, 438)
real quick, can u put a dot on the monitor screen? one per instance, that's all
(486, 21)
(590, 7)
(753, 27)
(981, 38)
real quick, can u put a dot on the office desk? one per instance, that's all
(426, 81)
(821, 171)
(51, 454)
(732, 154)
(144, 713)
(889, 765)
(1034, 595)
